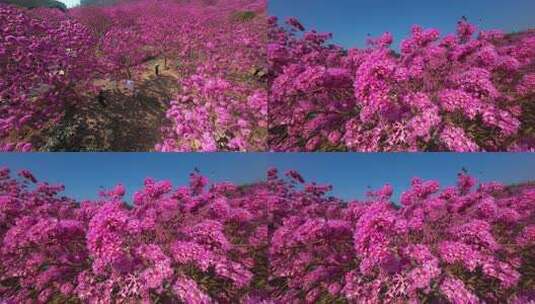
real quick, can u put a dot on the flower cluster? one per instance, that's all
(52, 63)
(223, 100)
(282, 240)
(43, 58)
(462, 92)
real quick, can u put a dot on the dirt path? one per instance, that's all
(125, 123)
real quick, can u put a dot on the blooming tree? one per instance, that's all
(282, 240)
(223, 101)
(462, 92)
(43, 59)
(50, 63)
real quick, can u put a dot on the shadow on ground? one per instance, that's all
(124, 123)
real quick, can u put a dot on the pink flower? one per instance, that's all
(456, 292)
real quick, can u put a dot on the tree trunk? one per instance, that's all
(101, 99)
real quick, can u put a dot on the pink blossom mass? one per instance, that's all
(464, 92)
(52, 65)
(280, 240)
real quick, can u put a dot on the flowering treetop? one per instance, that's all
(283, 240)
(462, 92)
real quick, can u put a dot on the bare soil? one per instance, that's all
(125, 122)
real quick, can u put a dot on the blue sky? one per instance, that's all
(351, 20)
(350, 173)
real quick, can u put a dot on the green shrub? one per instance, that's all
(243, 16)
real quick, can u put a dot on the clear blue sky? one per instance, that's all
(350, 173)
(351, 20)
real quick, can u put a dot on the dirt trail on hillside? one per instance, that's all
(124, 123)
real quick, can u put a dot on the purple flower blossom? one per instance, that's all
(432, 96)
(266, 242)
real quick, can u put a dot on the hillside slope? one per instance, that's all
(97, 2)
(37, 3)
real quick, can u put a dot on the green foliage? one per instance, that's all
(37, 3)
(243, 16)
(97, 2)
